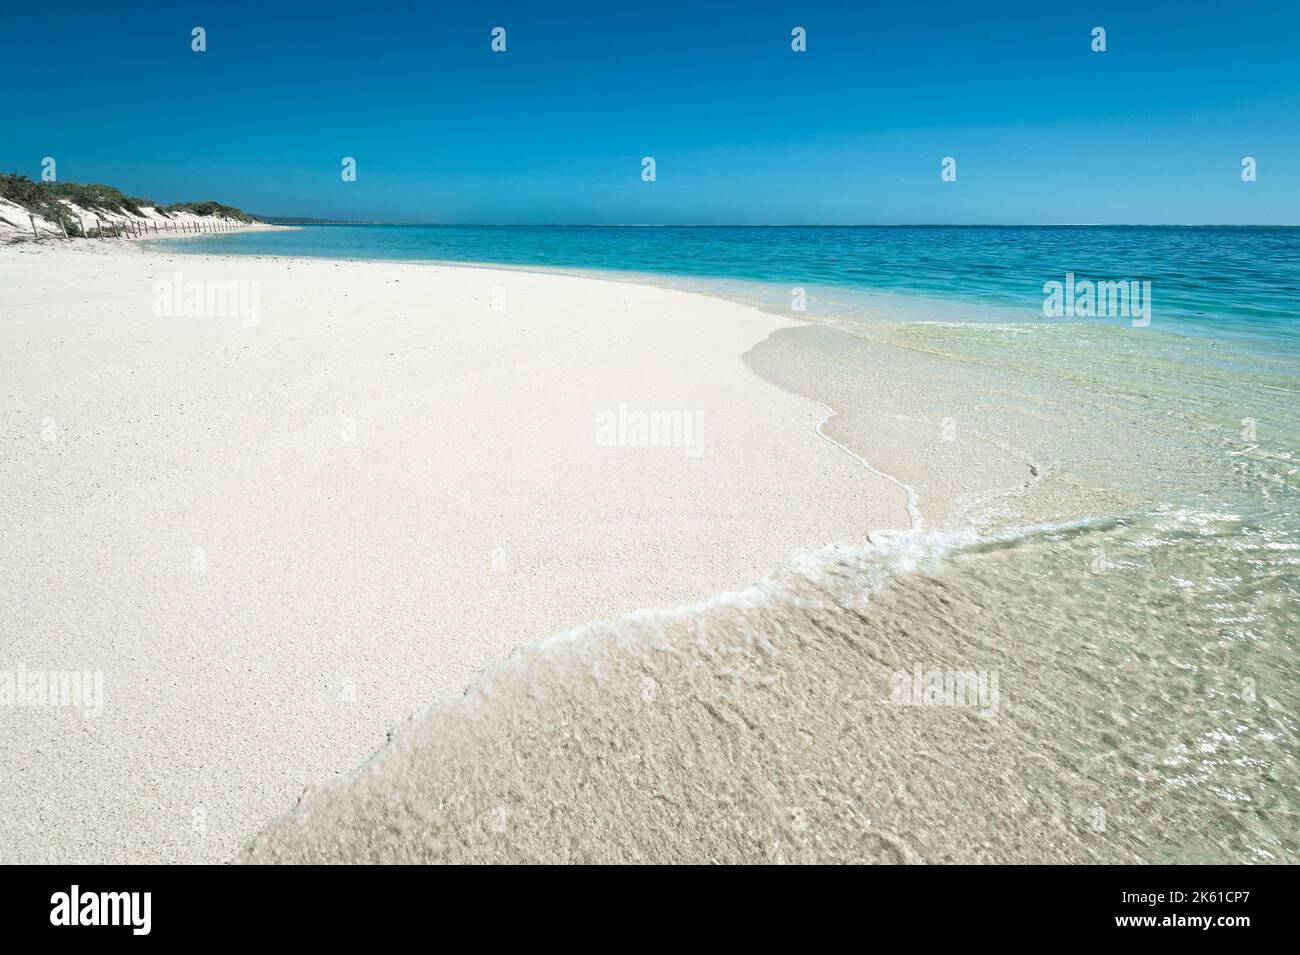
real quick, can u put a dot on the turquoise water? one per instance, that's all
(1127, 563)
(1239, 283)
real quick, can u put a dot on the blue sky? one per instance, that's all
(743, 129)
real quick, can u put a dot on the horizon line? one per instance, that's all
(320, 220)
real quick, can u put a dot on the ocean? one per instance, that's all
(1227, 282)
(1090, 656)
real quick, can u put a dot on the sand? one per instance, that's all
(277, 540)
(1084, 656)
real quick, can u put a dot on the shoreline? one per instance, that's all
(455, 623)
(837, 300)
(671, 345)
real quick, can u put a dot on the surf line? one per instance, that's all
(913, 500)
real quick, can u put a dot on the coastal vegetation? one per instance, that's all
(46, 199)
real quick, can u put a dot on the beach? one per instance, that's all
(279, 542)
(409, 562)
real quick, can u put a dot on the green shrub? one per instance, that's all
(42, 198)
(207, 208)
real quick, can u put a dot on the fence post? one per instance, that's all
(63, 227)
(33, 222)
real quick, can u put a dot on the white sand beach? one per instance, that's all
(335, 561)
(280, 540)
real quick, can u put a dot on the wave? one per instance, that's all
(727, 730)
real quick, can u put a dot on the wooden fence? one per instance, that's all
(129, 228)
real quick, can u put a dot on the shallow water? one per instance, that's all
(768, 725)
(1226, 282)
(1087, 654)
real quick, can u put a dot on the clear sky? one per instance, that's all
(742, 128)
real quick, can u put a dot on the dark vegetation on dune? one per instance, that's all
(43, 199)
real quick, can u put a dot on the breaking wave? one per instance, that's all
(761, 726)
